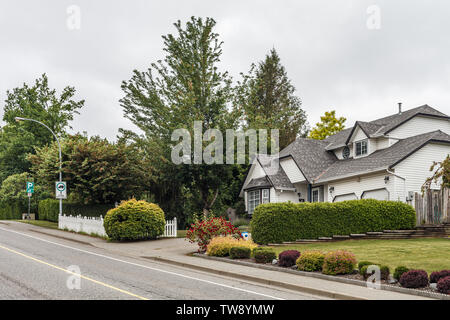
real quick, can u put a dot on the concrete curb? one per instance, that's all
(61, 237)
(303, 289)
(330, 278)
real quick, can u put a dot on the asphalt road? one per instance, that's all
(42, 267)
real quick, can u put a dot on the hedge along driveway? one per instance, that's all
(279, 222)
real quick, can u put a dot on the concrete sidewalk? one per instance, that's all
(176, 251)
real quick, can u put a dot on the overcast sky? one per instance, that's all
(338, 54)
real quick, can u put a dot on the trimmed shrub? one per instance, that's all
(437, 275)
(399, 271)
(310, 261)
(339, 262)
(135, 220)
(48, 209)
(203, 231)
(264, 255)
(11, 210)
(221, 246)
(287, 258)
(278, 222)
(364, 263)
(240, 253)
(443, 285)
(384, 271)
(414, 279)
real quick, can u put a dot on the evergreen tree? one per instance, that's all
(267, 99)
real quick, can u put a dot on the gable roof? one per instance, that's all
(381, 126)
(275, 173)
(258, 183)
(381, 159)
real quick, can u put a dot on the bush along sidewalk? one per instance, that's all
(339, 264)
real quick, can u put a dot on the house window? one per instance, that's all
(253, 200)
(361, 148)
(265, 196)
(315, 195)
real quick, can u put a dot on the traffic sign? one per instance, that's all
(30, 187)
(61, 190)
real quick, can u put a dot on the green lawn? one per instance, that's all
(41, 223)
(428, 254)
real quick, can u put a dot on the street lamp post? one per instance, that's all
(59, 146)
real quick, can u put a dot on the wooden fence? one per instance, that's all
(433, 207)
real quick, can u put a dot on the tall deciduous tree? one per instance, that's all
(329, 124)
(38, 102)
(267, 99)
(186, 87)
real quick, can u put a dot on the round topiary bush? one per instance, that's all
(310, 261)
(443, 285)
(264, 255)
(399, 271)
(287, 258)
(414, 279)
(240, 253)
(438, 275)
(364, 263)
(366, 272)
(339, 262)
(134, 220)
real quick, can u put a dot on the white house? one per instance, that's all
(385, 159)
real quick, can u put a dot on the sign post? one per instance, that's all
(30, 191)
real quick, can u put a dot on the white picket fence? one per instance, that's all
(91, 225)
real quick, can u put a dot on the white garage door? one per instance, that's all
(380, 194)
(343, 197)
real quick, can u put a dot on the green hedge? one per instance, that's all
(49, 209)
(278, 222)
(12, 210)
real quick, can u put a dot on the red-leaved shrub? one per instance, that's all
(339, 262)
(443, 285)
(203, 231)
(414, 279)
(437, 275)
(287, 258)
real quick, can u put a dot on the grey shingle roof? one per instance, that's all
(258, 183)
(384, 158)
(381, 126)
(275, 173)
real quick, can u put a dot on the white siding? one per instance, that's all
(357, 135)
(302, 188)
(382, 143)
(359, 185)
(416, 168)
(419, 125)
(284, 196)
(292, 171)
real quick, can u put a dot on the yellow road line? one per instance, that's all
(73, 273)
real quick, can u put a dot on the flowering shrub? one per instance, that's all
(310, 261)
(339, 262)
(264, 255)
(287, 258)
(399, 271)
(240, 253)
(220, 246)
(203, 231)
(437, 275)
(443, 285)
(414, 279)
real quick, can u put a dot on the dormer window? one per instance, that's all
(360, 148)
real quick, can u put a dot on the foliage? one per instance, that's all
(279, 222)
(339, 262)
(221, 246)
(437, 275)
(363, 263)
(267, 99)
(11, 210)
(384, 271)
(327, 126)
(441, 171)
(48, 209)
(96, 170)
(414, 279)
(186, 86)
(38, 102)
(240, 253)
(264, 255)
(203, 231)
(399, 271)
(310, 260)
(134, 220)
(443, 285)
(288, 258)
